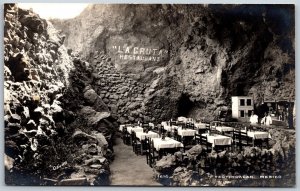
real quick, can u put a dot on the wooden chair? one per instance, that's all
(213, 127)
(188, 143)
(204, 142)
(146, 149)
(175, 134)
(125, 136)
(153, 154)
(156, 128)
(240, 139)
(197, 138)
(136, 144)
(146, 126)
(228, 133)
(181, 124)
(172, 123)
(261, 143)
(191, 126)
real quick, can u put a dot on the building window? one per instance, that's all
(249, 113)
(242, 102)
(249, 102)
(242, 113)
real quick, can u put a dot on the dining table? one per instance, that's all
(223, 129)
(171, 128)
(143, 135)
(186, 132)
(258, 134)
(201, 125)
(216, 139)
(135, 129)
(167, 143)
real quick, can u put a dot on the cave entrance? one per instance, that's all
(185, 105)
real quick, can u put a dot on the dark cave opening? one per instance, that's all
(185, 105)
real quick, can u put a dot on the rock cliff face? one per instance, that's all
(57, 128)
(192, 59)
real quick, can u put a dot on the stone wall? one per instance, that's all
(123, 94)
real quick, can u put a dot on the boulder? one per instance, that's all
(90, 96)
(93, 117)
(102, 142)
(80, 137)
(194, 151)
(166, 164)
(183, 177)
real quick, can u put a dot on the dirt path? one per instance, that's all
(129, 168)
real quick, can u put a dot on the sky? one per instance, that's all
(55, 10)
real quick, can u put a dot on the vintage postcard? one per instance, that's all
(149, 95)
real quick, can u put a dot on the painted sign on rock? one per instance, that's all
(136, 53)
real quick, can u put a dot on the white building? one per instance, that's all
(242, 107)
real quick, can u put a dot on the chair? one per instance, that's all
(240, 139)
(188, 143)
(175, 134)
(146, 149)
(145, 126)
(161, 130)
(136, 144)
(172, 123)
(125, 136)
(156, 128)
(228, 133)
(181, 124)
(204, 142)
(153, 154)
(197, 137)
(191, 125)
(213, 127)
(261, 142)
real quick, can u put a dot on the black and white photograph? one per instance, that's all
(152, 95)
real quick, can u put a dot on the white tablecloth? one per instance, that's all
(135, 129)
(224, 129)
(186, 132)
(121, 127)
(151, 125)
(182, 119)
(258, 135)
(218, 139)
(167, 143)
(200, 125)
(170, 128)
(150, 134)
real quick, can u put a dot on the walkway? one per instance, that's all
(130, 169)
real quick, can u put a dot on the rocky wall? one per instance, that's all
(123, 94)
(55, 133)
(213, 52)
